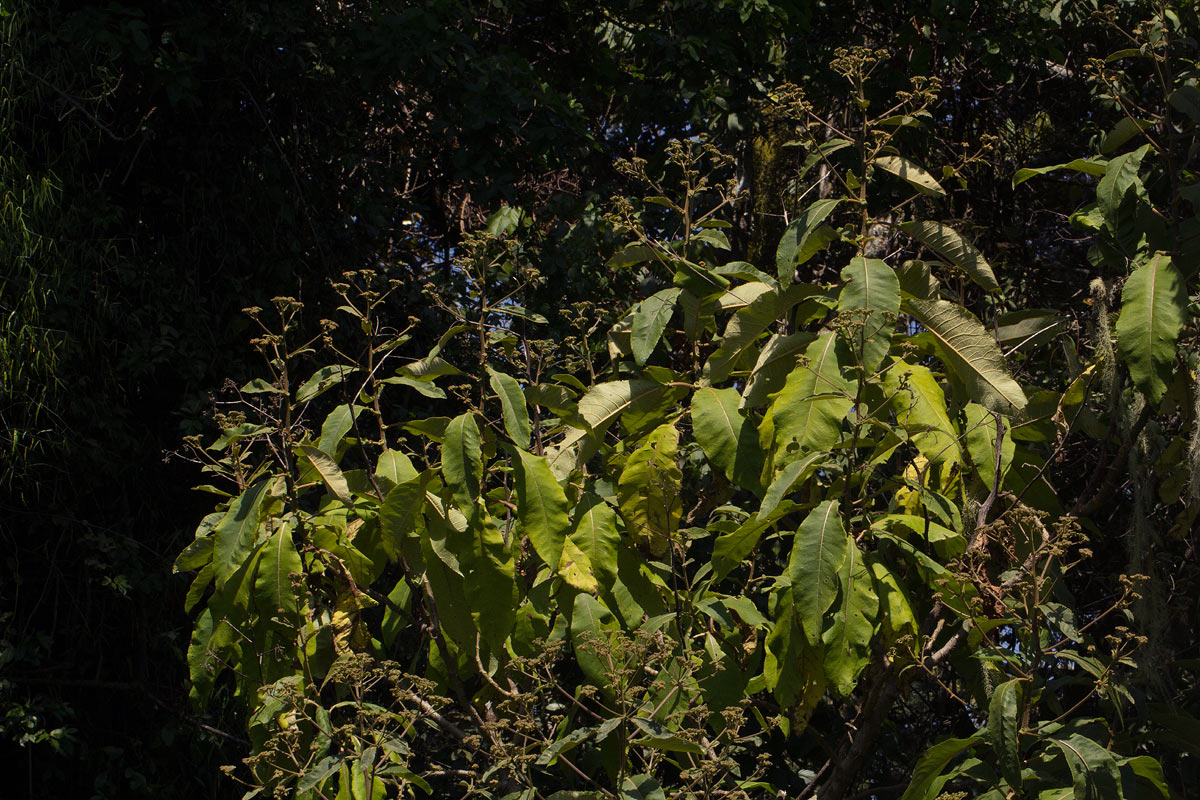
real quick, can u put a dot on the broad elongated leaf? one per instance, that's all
(818, 551)
(915, 175)
(488, 582)
(650, 319)
(1003, 727)
(848, 638)
(649, 490)
(594, 532)
(604, 402)
(234, 536)
(395, 466)
(728, 439)
(1094, 772)
(807, 413)
(1153, 310)
(786, 479)
(462, 460)
(776, 360)
(1088, 167)
(730, 548)
(1119, 179)
(920, 408)
(874, 292)
(741, 332)
(970, 351)
(1025, 329)
(400, 515)
(512, 406)
(590, 620)
(322, 380)
(273, 592)
(336, 426)
(330, 472)
(933, 764)
(980, 433)
(543, 508)
(954, 247)
(802, 239)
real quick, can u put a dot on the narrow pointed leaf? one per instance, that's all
(1003, 728)
(848, 639)
(970, 351)
(933, 763)
(336, 426)
(512, 406)
(1119, 179)
(273, 592)
(1094, 168)
(980, 433)
(779, 356)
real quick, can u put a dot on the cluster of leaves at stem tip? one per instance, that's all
(700, 551)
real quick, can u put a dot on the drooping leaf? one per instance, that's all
(542, 506)
(273, 592)
(818, 551)
(512, 406)
(330, 472)
(336, 426)
(954, 247)
(233, 538)
(807, 413)
(848, 638)
(1119, 179)
(779, 356)
(970, 351)
(1094, 771)
(649, 490)
(650, 318)
(1003, 730)
(727, 438)
(872, 291)
(400, 514)
(462, 459)
(1095, 168)
(802, 239)
(1153, 310)
(920, 408)
(933, 763)
(594, 532)
(980, 432)
(915, 175)
(488, 579)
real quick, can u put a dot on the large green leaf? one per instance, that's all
(650, 318)
(336, 426)
(234, 536)
(730, 548)
(728, 439)
(804, 238)
(920, 408)
(1003, 730)
(807, 413)
(786, 479)
(1119, 179)
(1093, 168)
(649, 490)
(395, 466)
(488, 581)
(743, 329)
(954, 247)
(848, 638)
(970, 352)
(278, 561)
(980, 432)
(1153, 310)
(818, 551)
(777, 359)
(512, 406)
(873, 291)
(933, 763)
(590, 621)
(915, 175)
(462, 460)
(330, 472)
(1094, 771)
(542, 508)
(400, 514)
(594, 532)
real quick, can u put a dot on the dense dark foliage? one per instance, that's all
(164, 165)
